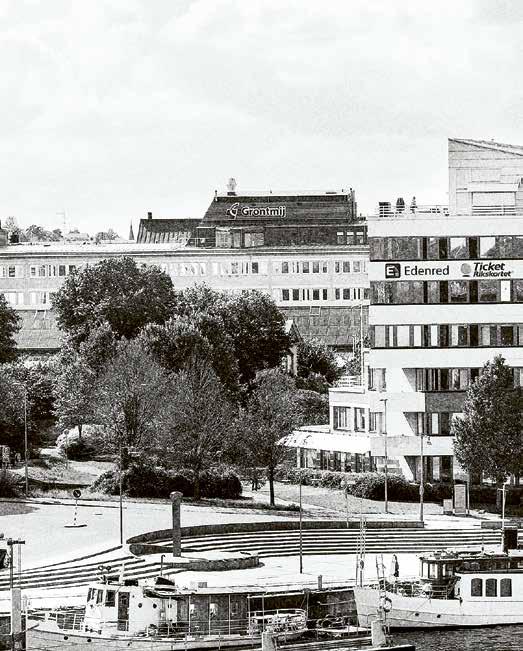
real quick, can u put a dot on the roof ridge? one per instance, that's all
(491, 144)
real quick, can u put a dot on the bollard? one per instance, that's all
(268, 642)
(378, 637)
(320, 582)
(176, 499)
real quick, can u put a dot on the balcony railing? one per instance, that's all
(389, 211)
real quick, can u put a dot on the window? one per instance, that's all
(253, 239)
(458, 291)
(285, 267)
(356, 266)
(315, 294)
(254, 267)
(324, 267)
(359, 419)
(341, 418)
(11, 272)
(284, 294)
(491, 588)
(223, 238)
(72, 268)
(99, 596)
(315, 267)
(324, 294)
(458, 248)
(505, 588)
(346, 267)
(110, 598)
(487, 247)
(305, 267)
(506, 336)
(476, 588)
(488, 291)
(346, 294)
(340, 238)
(517, 291)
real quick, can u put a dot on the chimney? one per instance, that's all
(149, 215)
(231, 187)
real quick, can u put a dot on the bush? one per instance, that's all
(9, 484)
(78, 450)
(142, 479)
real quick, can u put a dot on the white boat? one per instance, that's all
(454, 589)
(158, 615)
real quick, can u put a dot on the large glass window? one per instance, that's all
(359, 419)
(517, 291)
(458, 291)
(487, 247)
(488, 291)
(341, 418)
(458, 248)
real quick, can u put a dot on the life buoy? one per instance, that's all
(386, 604)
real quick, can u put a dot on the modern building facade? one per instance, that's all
(321, 283)
(446, 296)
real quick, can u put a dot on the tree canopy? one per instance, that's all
(9, 326)
(317, 366)
(115, 291)
(488, 438)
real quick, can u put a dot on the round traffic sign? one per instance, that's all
(77, 493)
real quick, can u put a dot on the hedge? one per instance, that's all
(146, 480)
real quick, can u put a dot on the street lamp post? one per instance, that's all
(121, 493)
(422, 479)
(301, 532)
(384, 432)
(26, 473)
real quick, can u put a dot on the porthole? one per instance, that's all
(438, 616)
(155, 605)
(417, 614)
(139, 605)
(66, 637)
(89, 639)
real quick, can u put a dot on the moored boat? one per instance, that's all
(454, 589)
(159, 615)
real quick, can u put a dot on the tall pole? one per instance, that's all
(422, 479)
(385, 441)
(25, 444)
(362, 382)
(121, 494)
(301, 534)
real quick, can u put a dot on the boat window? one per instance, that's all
(90, 594)
(110, 598)
(99, 596)
(432, 571)
(491, 588)
(476, 588)
(235, 608)
(505, 588)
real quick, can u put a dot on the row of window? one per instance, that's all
(350, 237)
(446, 248)
(351, 419)
(491, 587)
(454, 379)
(325, 294)
(446, 291)
(29, 298)
(337, 461)
(37, 271)
(319, 266)
(236, 239)
(434, 423)
(468, 335)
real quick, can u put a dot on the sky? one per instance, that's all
(112, 108)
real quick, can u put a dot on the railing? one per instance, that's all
(389, 211)
(279, 621)
(495, 210)
(349, 381)
(416, 588)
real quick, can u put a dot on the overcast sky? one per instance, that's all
(113, 108)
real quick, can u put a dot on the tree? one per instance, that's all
(488, 438)
(312, 406)
(200, 420)
(267, 422)
(202, 336)
(317, 366)
(74, 390)
(114, 291)
(9, 326)
(250, 320)
(132, 399)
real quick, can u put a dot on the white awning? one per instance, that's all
(329, 442)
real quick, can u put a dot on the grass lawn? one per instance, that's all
(333, 501)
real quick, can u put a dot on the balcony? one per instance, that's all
(387, 211)
(410, 446)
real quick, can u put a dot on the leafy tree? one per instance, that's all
(114, 291)
(313, 407)
(354, 365)
(74, 390)
(109, 234)
(317, 366)
(35, 233)
(269, 419)
(201, 419)
(9, 326)
(202, 336)
(132, 399)
(488, 438)
(251, 321)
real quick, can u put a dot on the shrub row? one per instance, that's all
(145, 480)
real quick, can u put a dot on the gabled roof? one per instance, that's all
(516, 150)
(166, 231)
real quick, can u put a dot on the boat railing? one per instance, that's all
(257, 622)
(416, 588)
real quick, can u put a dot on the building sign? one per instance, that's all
(447, 270)
(256, 211)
